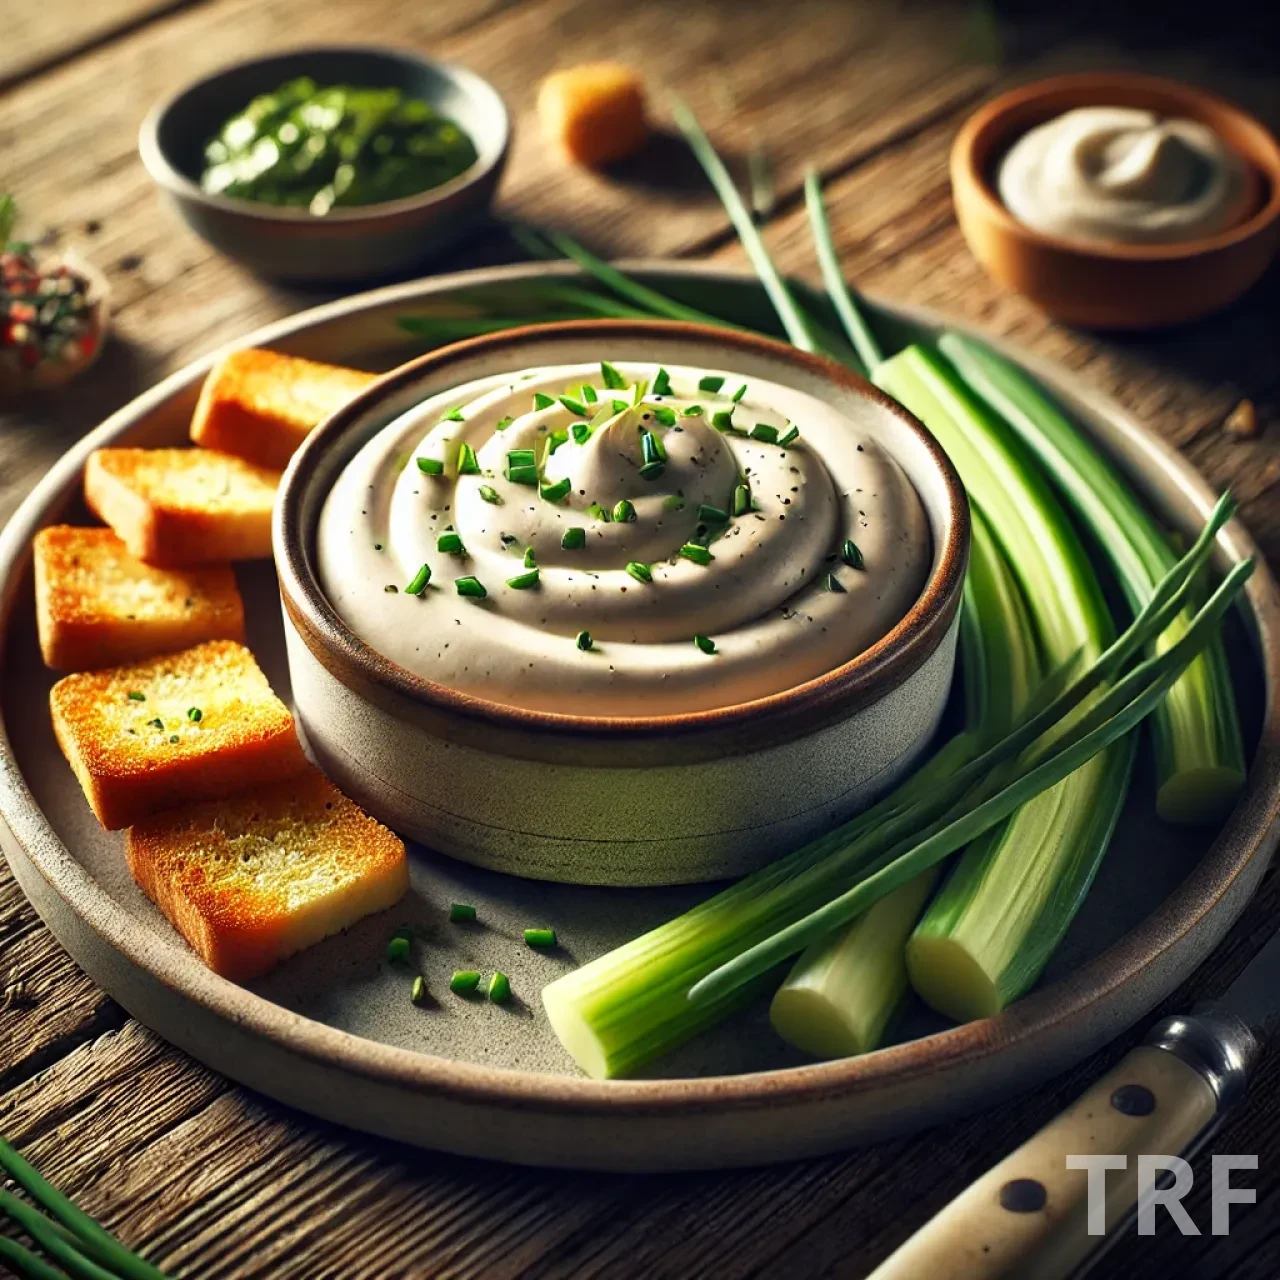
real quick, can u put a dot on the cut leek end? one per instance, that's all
(947, 978)
(1196, 796)
(575, 1032)
(815, 1023)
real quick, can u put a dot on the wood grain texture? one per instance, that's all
(212, 1181)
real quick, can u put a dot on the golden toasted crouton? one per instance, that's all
(195, 725)
(260, 405)
(595, 112)
(254, 879)
(176, 507)
(98, 606)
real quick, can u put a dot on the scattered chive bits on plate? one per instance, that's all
(499, 988)
(540, 937)
(460, 912)
(464, 981)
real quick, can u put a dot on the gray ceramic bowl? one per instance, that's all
(347, 244)
(608, 800)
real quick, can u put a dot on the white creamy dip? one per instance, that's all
(764, 579)
(1121, 174)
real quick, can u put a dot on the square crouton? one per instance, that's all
(254, 879)
(98, 606)
(261, 405)
(195, 725)
(178, 507)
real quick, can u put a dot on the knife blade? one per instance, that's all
(1029, 1216)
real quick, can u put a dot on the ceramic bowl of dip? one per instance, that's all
(1111, 283)
(721, 619)
(349, 243)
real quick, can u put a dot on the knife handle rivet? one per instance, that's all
(1023, 1195)
(1134, 1100)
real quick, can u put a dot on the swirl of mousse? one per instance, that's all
(626, 541)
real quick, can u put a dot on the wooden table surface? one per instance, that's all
(211, 1180)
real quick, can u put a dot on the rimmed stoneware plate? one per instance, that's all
(333, 1031)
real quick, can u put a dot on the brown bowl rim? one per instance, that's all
(789, 713)
(993, 114)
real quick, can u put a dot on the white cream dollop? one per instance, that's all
(1122, 174)
(774, 596)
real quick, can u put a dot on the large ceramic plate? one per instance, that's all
(333, 1031)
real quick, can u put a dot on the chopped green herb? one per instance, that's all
(597, 512)
(471, 587)
(522, 466)
(391, 589)
(467, 463)
(136, 695)
(696, 552)
(503, 423)
(651, 449)
(450, 544)
(741, 500)
(540, 937)
(454, 415)
(581, 432)
(523, 581)
(542, 402)
(623, 511)
(710, 383)
(420, 580)
(612, 378)
(583, 640)
(640, 571)
(850, 554)
(662, 383)
(499, 988)
(691, 411)
(834, 584)
(793, 434)
(523, 475)
(556, 439)
(398, 948)
(173, 737)
(574, 406)
(652, 470)
(741, 391)
(460, 912)
(664, 415)
(431, 466)
(763, 431)
(711, 515)
(490, 494)
(418, 992)
(557, 492)
(195, 715)
(620, 406)
(722, 420)
(521, 457)
(574, 537)
(705, 643)
(673, 502)
(464, 981)
(530, 557)
(589, 393)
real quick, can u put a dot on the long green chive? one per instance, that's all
(467, 462)
(454, 415)
(612, 378)
(541, 401)
(136, 695)
(664, 415)
(850, 554)
(707, 514)
(557, 492)
(431, 466)
(464, 981)
(763, 431)
(573, 538)
(530, 558)
(652, 470)
(583, 640)
(834, 584)
(499, 988)
(25, 1264)
(540, 937)
(791, 436)
(398, 948)
(705, 643)
(662, 383)
(416, 587)
(741, 391)
(623, 511)
(461, 912)
(50, 1238)
(195, 715)
(523, 581)
(640, 571)
(581, 432)
(697, 553)
(589, 393)
(471, 587)
(711, 382)
(574, 406)
(418, 992)
(490, 494)
(691, 411)
(503, 423)
(450, 544)
(741, 500)
(722, 420)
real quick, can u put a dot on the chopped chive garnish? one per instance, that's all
(705, 643)
(540, 937)
(651, 449)
(499, 988)
(391, 589)
(652, 470)
(420, 580)
(398, 948)
(464, 981)
(710, 383)
(664, 415)
(450, 544)
(581, 432)
(524, 475)
(620, 406)
(490, 494)
(722, 420)
(834, 584)
(418, 992)
(741, 391)
(673, 502)
(696, 552)
(597, 512)
(583, 640)
(503, 423)
(850, 554)
(431, 466)
(195, 715)
(711, 515)
(623, 511)
(793, 434)
(691, 411)
(470, 586)
(612, 378)
(521, 457)
(557, 492)
(589, 393)
(136, 695)
(640, 571)
(173, 737)
(460, 912)
(556, 439)
(530, 558)
(523, 581)
(542, 402)
(741, 500)
(574, 406)
(454, 415)
(662, 383)
(763, 431)
(467, 464)
(157, 723)
(574, 537)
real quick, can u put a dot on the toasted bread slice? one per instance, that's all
(260, 405)
(254, 879)
(178, 507)
(195, 725)
(98, 606)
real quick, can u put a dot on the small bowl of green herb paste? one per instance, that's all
(332, 163)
